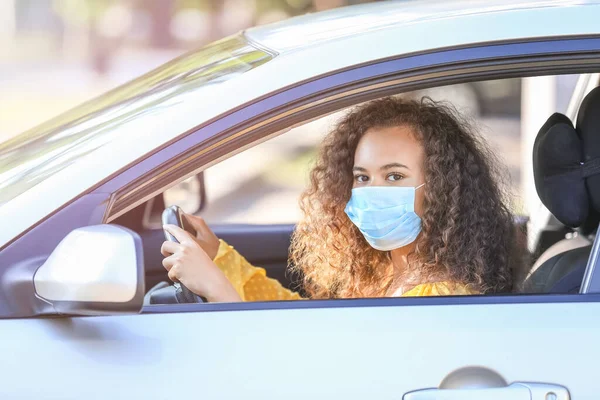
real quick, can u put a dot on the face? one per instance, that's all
(390, 157)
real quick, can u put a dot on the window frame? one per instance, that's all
(492, 300)
(591, 277)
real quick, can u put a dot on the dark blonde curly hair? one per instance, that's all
(467, 228)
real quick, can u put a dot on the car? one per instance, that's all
(81, 197)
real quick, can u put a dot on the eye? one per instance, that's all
(394, 177)
(361, 178)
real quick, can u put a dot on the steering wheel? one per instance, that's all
(185, 295)
(163, 293)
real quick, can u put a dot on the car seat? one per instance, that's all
(566, 167)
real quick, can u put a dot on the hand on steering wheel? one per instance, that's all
(189, 264)
(205, 237)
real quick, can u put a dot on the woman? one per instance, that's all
(403, 201)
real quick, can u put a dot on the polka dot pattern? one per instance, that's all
(251, 283)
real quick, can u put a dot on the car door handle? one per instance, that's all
(516, 391)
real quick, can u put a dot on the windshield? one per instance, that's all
(32, 156)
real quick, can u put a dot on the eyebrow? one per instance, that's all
(393, 165)
(386, 166)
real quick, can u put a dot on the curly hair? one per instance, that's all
(467, 227)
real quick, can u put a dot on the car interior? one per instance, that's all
(571, 194)
(566, 185)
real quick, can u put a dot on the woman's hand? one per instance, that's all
(205, 237)
(189, 264)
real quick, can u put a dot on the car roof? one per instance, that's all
(316, 28)
(331, 41)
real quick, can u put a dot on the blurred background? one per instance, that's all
(55, 54)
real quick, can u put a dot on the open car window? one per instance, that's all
(272, 175)
(261, 186)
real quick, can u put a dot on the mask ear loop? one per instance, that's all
(420, 186)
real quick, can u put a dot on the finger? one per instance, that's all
(173, 275)
(169, 248)
(168, 262)
(180, 234)
(197, 222)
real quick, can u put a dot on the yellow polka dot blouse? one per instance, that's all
(252, 282)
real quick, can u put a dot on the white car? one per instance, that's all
(79, 250)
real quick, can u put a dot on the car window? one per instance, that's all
(262, 185)
(269, 176)
(272, 175)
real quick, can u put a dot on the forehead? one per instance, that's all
(380, 146)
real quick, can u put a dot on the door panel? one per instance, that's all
(343, 353)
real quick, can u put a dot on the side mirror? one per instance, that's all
(94, 270)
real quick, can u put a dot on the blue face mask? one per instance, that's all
(385, 215)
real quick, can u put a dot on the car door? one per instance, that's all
(352, 349)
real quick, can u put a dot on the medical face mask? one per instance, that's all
(385, 215)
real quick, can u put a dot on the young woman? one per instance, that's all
(403, 201)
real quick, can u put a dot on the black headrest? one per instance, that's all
(566, 164)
